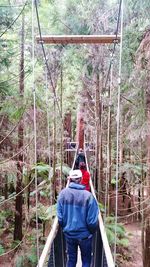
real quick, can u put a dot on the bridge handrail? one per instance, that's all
(48, 243)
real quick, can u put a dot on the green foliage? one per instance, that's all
(45, 213)
(19, 262)
(51, 212)
(43, 193)
(4, 215)
(42, 170)
(41, 167)
(110, 231)
(15, 243)
(133, 171)
(31, 238)
(132, 37)
(27, 259)
(16, 114)
(65, 169)
(101, 207)
(32, 258)
(2, 250)
(123, 242)
(5, 16)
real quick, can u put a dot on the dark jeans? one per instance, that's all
(85, 248)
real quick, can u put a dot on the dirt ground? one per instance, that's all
(135, 247)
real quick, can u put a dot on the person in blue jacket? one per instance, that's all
(77, 212)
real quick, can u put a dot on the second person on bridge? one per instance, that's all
(80, 158)
(85, 176)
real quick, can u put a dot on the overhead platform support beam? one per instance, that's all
(78, 39)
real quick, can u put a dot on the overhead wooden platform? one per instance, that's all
(78, 39)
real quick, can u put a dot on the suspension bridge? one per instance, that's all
(54, 252)
(55, 249)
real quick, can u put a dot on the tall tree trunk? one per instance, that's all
(61, 137)
(6, 187)
(98, 148)
(80, 128)
(97, 126)
(143, 66)
(19, 198)
(146, 243)
(67, 126)
(123, 180)
(101, 163)
(122, 154)
(54, 154)
(109, 134)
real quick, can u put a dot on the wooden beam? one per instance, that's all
(78, 39)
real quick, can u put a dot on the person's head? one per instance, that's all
(80, 150)
(75, 176)
(82, 166)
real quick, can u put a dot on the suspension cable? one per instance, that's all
(16, 76)
(11, 6)
(108, 146)
(35, 130)
(22, 150)
(118, 130)
(14, 20)
(18, 245)
(15, 83)
(45, 58)
(13, 128)
(135, 212)
(8, 199)
(114, 48)
(48, 137)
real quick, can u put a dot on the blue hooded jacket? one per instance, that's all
(77, 211)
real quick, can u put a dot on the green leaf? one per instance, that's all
(2, 250)
(51, 212)
(65, 169)
(111, 228)
(43, 194)
(113, 181)
(32, 258)
(123, 241)
(20, 261)
(101, 206)
(41, 168)
(110, 236)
